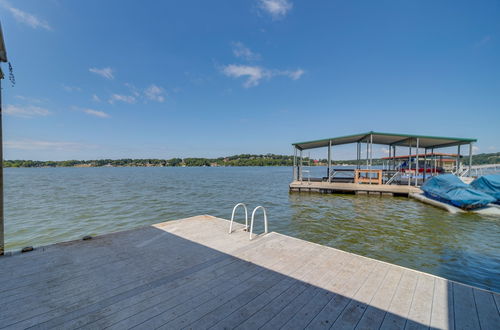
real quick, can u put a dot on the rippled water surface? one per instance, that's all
(57, 204)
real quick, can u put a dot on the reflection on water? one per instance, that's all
(49, 205)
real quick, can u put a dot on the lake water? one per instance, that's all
(48, 205)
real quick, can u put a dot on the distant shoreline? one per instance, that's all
(230, 161)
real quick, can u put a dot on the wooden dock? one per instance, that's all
(353, 188)
(191, 273)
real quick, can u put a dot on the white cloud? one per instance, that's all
(155, 93)
(294, 75)
(96, 113)
(276, 8)
(25, 18)
(255, 74)
(122, 98)
(26, 111)
(492, 148)
(241, 51)
(104, 72)
(475, 149)
(71, 88)
(42, 145)
(96, 98)
(31, 99)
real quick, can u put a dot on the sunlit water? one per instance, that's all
(49, 205)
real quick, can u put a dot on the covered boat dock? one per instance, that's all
(412, 159)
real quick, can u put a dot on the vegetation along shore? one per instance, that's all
(236, 160)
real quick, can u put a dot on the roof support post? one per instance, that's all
(294, 163)
(300, 165)
(394, 157)
(358, 154)
(416, 163)
(425, 163)
(409, 162)
(470, 159)
(367, 152)
(458, 161)
(328, 174)
(371, 156)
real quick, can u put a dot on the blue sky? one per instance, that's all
(163, 79)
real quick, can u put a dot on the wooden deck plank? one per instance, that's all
(93, 308)
(395, 318)
(352, 314)
(293, 268)
(191, 273)
(208, 277)
(260, 302)
(304, 316)
(442, 305)
(488, 315)
(352, 187)
(464, 308)
(276, 305)
(317, 280)
(342, 291)
(106, 284)
(164, 312)
(374, 314)
(421, 307)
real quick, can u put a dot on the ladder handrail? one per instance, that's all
(232, 216)
(253, 216)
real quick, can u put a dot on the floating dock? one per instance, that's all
(191, 273)
(353, 188)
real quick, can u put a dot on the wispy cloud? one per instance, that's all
(254, 74)
(31, 99)
(241, 51)
(121, 98)
(483, 41)
(276, 8)
(71, 88)
(42, 145)
(25, 18)
(294, 75)
(29, 111)
(104, 72)
(155, 93)
(96, 98)
(96, 113)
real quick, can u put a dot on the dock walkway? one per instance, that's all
(191, 273)
(353, 188)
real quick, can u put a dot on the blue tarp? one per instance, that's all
(489, 184)
(449, 188)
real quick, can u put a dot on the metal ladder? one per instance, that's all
(246, 219)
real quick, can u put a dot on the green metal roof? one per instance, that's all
(425, 141)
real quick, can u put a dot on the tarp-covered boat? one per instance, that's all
(450, 189)
(489, 184)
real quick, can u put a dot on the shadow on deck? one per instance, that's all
(191, 273)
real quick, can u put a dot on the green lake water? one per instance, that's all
(49, 205)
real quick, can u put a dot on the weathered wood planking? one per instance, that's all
(191, 274)
(344, 187)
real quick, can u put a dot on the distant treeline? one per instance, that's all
(237, 160)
